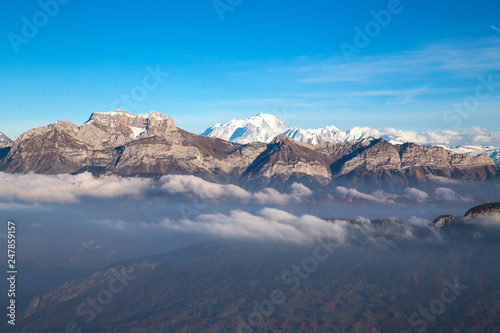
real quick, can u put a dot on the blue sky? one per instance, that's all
(278, 57)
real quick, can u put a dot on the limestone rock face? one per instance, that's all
(413, 155)
(126, 125)
(371, 155)
(151, 145)
(285, 157)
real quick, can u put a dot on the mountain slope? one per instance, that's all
(264, 127)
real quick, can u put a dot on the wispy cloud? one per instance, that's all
(67, 188)
(447, 194)
(270, 224)
(465, 58)
(355, 194)
(416, 194)
(495, 28)
(397, 96)
(180, 184)
(279, 225)
(443, 180)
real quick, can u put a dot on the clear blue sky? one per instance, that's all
(281, 57)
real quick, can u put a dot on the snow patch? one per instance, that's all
(136, 132)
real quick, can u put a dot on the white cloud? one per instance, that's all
(272, 196)
(448, 194)
(66, 188)
(443, 180)
(202, 188)
(418, 221)
(461, 136)
(18, 206)
(196, 186)
(268, 224)
(355, 194)
(278, 225)
(300, 190)
(416, 194)
(492, 220)
(460, 59)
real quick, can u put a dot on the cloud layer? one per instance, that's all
(274, 224)
(67, 188)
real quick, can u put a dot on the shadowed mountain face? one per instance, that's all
(442, 282)
(149, 145)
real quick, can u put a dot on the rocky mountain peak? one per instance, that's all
(132, 125)
(485, 209)
(5, 140)
(280, 139)
(139, 120)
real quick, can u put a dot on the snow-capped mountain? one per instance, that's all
(5, 139)
(261, 128)
(264, 127)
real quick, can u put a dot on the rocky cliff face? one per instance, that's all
(150, 144)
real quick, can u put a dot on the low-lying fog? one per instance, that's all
(71, 225)
(81, 221)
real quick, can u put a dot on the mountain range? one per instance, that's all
(265, 127)
(129, 144)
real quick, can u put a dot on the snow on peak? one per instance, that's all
(5, 139)
(152, 114)
(264, 127)
(267, 120)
